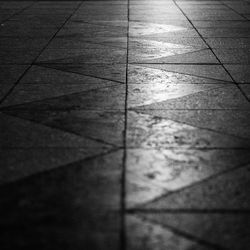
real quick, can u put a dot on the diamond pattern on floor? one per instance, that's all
(124, 125)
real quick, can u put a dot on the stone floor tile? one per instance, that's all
(15, 4)
(112, 72)
(9, 75)
(176, 74)
(166, 96)
(59, 215)
(21, 133)
(103, 126)
(80, 30)
(188, 97)
(79, 56)
(224, 32)
(229, 43)
(146, 51)
(19, 163)
(216, 120)
(113, 23)
(44, 83)
(16, 30)
(152, 173)
(239, 73)
(106, 98)
(36, 20)
(179, 56)
(221, 24)
(156, 18)
(222, 230)
(151, 29)
(173, 41)
(246, 89)
(174, 32)
(233, 56)
(48, 11)
(226, 192)
(124, 125)
(18, 56)
(215, 16)
(88, 43)
(23, 43)
(144, 234)
(80, 17)
(152, 131)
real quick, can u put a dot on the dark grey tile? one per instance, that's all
(222, 230)
(228, 42)
(18, 56)
(221, 24)
(236, 55)
(102, 126)
(88, 42)
(246, 89)
(9, 75)
(44, 83)
(240, 73)
(204, 16)
(47, 207)
(7, 43)
(144, 234)
(75, 56)
(224, 32)
(106, 98)
(224, 192)
(17, 29)
(22, 133)
(112, 72)
(79, 30)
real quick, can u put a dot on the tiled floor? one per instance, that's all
(125, 125)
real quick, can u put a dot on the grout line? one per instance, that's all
(236, 211)
(44, 172)
(204, 40)
(41, 51)
(184, 234)
(194, 184)
(229, 7)
(19, 12)
(123, 179)
(50, 66)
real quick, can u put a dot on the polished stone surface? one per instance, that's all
(125, 125)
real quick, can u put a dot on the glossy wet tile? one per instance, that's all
(172, 74)
(189, 97)
(152, 173)
(154, 131)
(217, 120)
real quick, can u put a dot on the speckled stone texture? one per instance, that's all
(125, 125)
